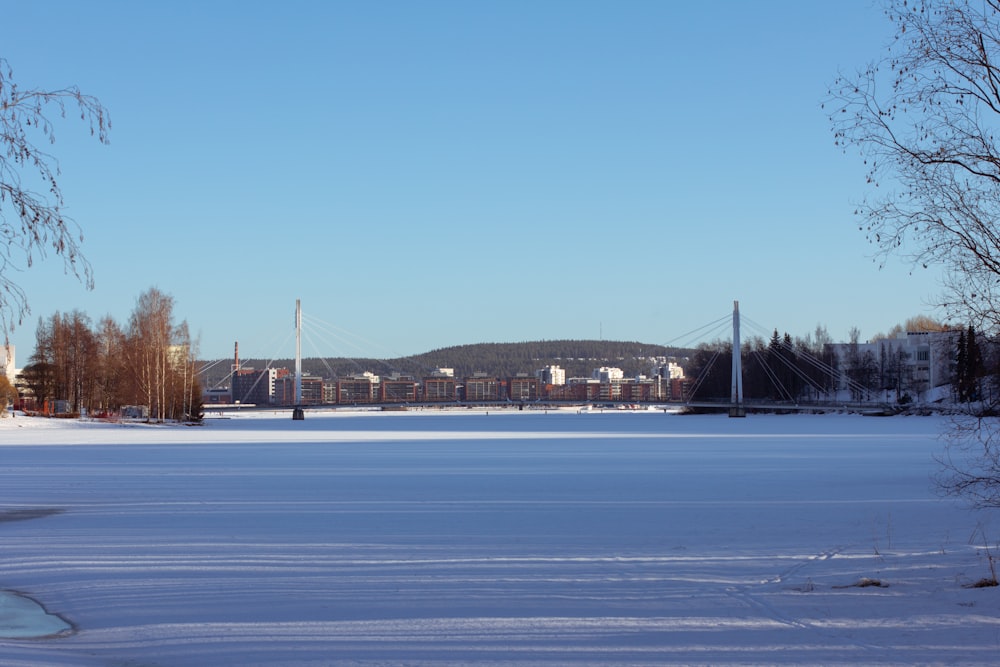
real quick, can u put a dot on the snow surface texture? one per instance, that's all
(492, 539)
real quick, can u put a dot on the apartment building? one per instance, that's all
(481, 387)
(400, 389)
(361, 388)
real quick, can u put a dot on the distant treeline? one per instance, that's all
(578, 357)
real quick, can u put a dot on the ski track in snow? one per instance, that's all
(431, 539)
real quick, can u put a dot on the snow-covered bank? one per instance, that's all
(493, 539)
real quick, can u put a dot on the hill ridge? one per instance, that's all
(578, 357)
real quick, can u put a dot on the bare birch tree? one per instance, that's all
(160, 357)
(32, 217)
(923, 119)
(149, 338)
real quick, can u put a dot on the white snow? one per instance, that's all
(491, 539)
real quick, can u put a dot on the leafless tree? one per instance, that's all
(150, 336)
(160, 358)
(8, 394)
(111, 382)
(66, 343)
(151, 363)
(970, 463)
(923, 118)
(32, 218)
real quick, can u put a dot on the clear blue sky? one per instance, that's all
(427, 174)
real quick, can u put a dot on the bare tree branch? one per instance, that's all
(32, 220)
(923, 119)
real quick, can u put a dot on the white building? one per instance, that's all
(606, 375)
(553, 375)
(911, 362)
(670, 371)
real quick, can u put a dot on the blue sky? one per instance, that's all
(427, 174)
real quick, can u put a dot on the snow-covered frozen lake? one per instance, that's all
(492, 539)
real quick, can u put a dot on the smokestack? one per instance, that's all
(236, 360)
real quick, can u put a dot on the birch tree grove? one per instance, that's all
(161, 356)
(65, 345)
(99, 370)
(149, 340)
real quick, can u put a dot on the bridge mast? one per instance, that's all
(297, 412)
(736, 409)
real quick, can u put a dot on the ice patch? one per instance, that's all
(23, 618)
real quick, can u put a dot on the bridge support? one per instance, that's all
(736, 409)
(298, 413)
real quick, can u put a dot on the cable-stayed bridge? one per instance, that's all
(796, 380)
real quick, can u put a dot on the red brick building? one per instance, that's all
(481, 387)
(523, 388)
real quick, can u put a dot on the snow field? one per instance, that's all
(507, 538)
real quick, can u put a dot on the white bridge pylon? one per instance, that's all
(736, 408)
(297, 412)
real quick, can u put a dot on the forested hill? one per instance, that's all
(578, 357)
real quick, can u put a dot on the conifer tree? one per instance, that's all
(961, 368)
(974, 362)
